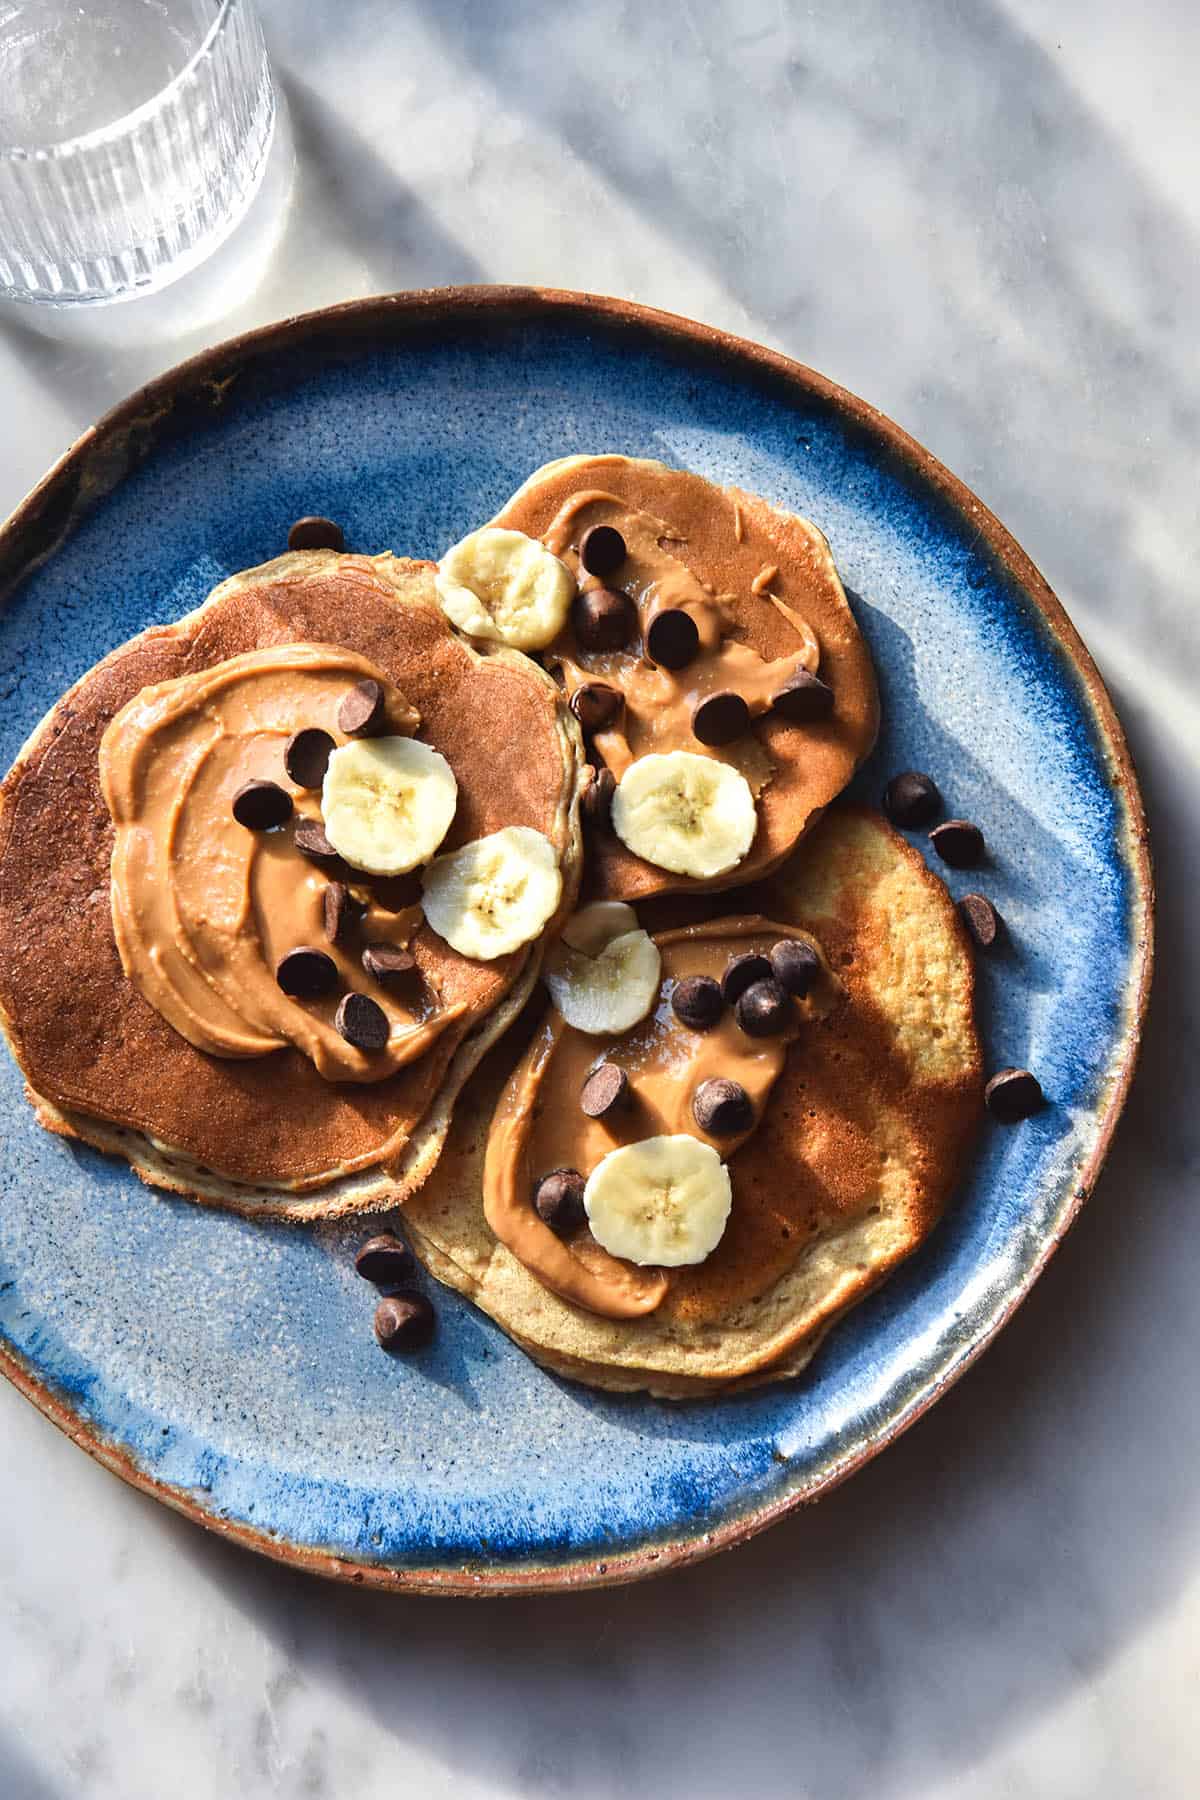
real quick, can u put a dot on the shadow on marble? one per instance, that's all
(20, 1777)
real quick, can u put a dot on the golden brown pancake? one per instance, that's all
(765, 564)
(849, 1170)
(101, 1063)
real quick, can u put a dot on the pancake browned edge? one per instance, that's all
(731, 540)
(857, 1154)
(265, 1136)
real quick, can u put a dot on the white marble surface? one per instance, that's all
(985, 217)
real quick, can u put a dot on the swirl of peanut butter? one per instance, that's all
(659, 703)
(539, 1125)
(204, 909)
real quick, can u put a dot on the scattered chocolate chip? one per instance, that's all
(558, 1200)
(315, 533)
(911, 800)
(342, 912)
(980, 918)
(1013, 1094)
(958, 843)
(722, 1108)
(596, 801)
(404, 1321)
(307, 757)
(596, 705)
(602, 619)
(696, 1002)
(605, 1090)
(740, 972)
(721, 718)
(764, 1010)
(362, 1022)
(260, 805)
(384, 1260)
(805, 699)
(796, 966)
(388, 962)
(306, 974)
(672, 638)
(310, 840)
(602, 550)
(361, 712)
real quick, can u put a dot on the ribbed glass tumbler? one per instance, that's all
(133, 137)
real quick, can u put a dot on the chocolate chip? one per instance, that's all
(672, 638)
(602, 619)
(260, 805)
(384, 1260)
(696, 1002)
(310, 840)
(602, 550)
(362, 1022)
(404, 1321)
(342, 912)
(804, 699)
(596, 801)
(958, 843)
(721, 718)
(796, 966)
(1013, 1094)
(764, 1010)
(980, 918)
(911, 799)
(558, 1200)
(722, 1108)
(307, 757)
(605, 1091)
(596, 705)
(306, 974)
(740, 971)
(388, 962)
(361, 712)
(315, 533)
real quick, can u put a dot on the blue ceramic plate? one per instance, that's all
(229, 1368)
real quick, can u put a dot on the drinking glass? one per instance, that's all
(133, 137)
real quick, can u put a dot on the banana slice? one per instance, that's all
(665, 1201)
(387, 803)
(690, 814)
(505, 587)
(494, 894)
(604, 972)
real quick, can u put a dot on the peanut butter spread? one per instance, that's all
(205, 909)
(539, 1126)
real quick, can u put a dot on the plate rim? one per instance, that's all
(98, 461)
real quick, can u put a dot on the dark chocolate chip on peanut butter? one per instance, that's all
(764, 1010)
(310, 840)
(696, 1002)
(315, 533)
(596, 705)
(603, 619)
(362, 1022)
(596, 802)
(804, 699)
(740, 972)
(342, 912)
(558, 1200)
(721, 718)
(307, 974)
(672, 638)
(958, 843)
(911, 799)
(307, 757)
(795, 965)
(362, 710)
(261, 805)
(404, 1321)
(980, 918)
(1013, 1094)
(602, 550)
(388, 962)
(384, 1260)
(605, 1091)
(722, 1108)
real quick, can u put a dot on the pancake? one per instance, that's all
(779, 593)
(854, 1160)
(267, 1135)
